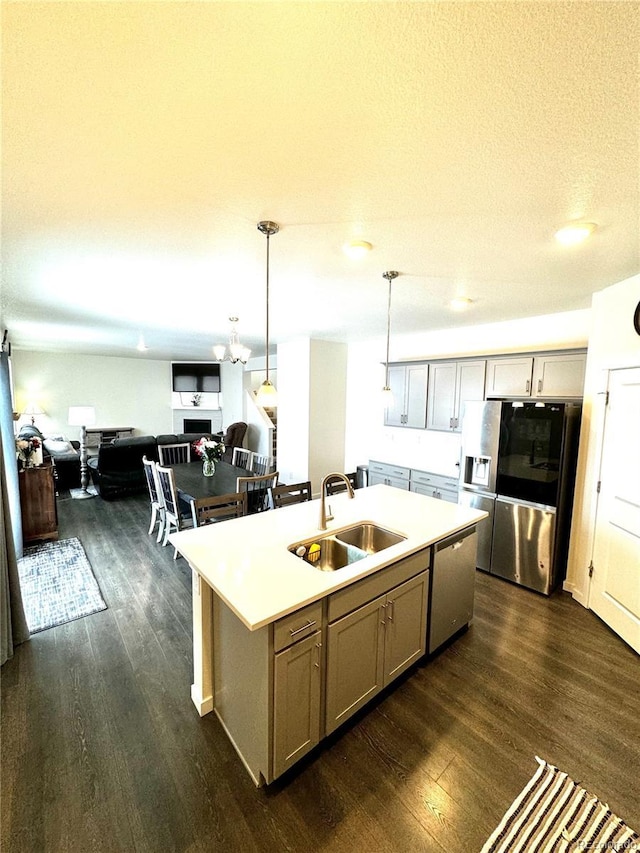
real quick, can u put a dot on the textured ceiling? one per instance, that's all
(142, 142)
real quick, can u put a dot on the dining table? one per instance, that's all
(191, 483)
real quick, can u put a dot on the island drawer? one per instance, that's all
(296, 626)
(351, 597)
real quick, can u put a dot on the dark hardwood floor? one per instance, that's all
(102, 748)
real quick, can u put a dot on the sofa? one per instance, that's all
(117, 470)
(65, 456)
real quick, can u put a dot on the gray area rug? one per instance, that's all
(58, 584)
(553, 813)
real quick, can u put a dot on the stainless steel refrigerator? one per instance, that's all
(518, 463)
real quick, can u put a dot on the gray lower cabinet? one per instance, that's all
(434, 485)
(297, 694)
(373, 645)
(388, 475)
(280, 689)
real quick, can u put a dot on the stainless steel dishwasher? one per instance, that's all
(453, 579)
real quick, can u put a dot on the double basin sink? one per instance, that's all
(336, 550)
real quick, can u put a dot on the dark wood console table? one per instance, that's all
(38, 503)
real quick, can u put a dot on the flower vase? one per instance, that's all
(208, 468)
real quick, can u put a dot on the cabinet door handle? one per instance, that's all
(391, 609)
(539, 385)
(383, 607)
(528, 386)
(317, 663)
(450, 423)
(310, 624)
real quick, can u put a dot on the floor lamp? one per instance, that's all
(83, 416)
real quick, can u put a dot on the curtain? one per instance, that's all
(13, 625)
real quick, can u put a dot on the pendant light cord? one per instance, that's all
(386, 380)
(267, 330)
(389, 275)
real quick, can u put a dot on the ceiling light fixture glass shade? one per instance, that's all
(460, 303)
(237, 352)
(356, 249)
(387, 394)
(574, 233)
(267, 395)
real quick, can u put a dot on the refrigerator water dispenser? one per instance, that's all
(477, 470)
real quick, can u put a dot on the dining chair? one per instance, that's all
(261, 464)
(293, 494)
(177, 514)
(242, 458)
(257, 489)
(218, 508)
(155, 496)
(174, 454)
(338, 485)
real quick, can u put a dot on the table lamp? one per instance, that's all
(83, 416)
(32, 409)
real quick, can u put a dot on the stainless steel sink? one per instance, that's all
(327, 554)
(337, 550)
(369, 537)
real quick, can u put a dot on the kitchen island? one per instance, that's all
(283, 652)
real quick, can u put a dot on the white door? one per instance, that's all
(615, 588)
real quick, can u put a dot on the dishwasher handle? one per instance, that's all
(456, 540)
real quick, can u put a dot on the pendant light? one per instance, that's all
(387, 394)
(237, 352)
(267, 394)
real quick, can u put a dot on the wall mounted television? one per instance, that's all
(200, 376)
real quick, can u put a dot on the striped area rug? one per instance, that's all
(553, 813)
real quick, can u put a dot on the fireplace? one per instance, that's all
(200, 425)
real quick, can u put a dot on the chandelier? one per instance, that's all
(237, 352)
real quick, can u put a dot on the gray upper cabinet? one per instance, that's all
(558, 375)
(450, 384)
(408, 383)
(553, 375)
(509, 377)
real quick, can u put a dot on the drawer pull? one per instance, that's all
(310, 624)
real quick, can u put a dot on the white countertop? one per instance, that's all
(246, 561)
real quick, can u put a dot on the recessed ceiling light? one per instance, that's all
(460, 303)
(357, 249)
(575, 233)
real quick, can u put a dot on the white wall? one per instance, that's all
(126, 392)
(327, 412)
(613, 343)
(311, 409)
(294, 410)
(368, 438)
